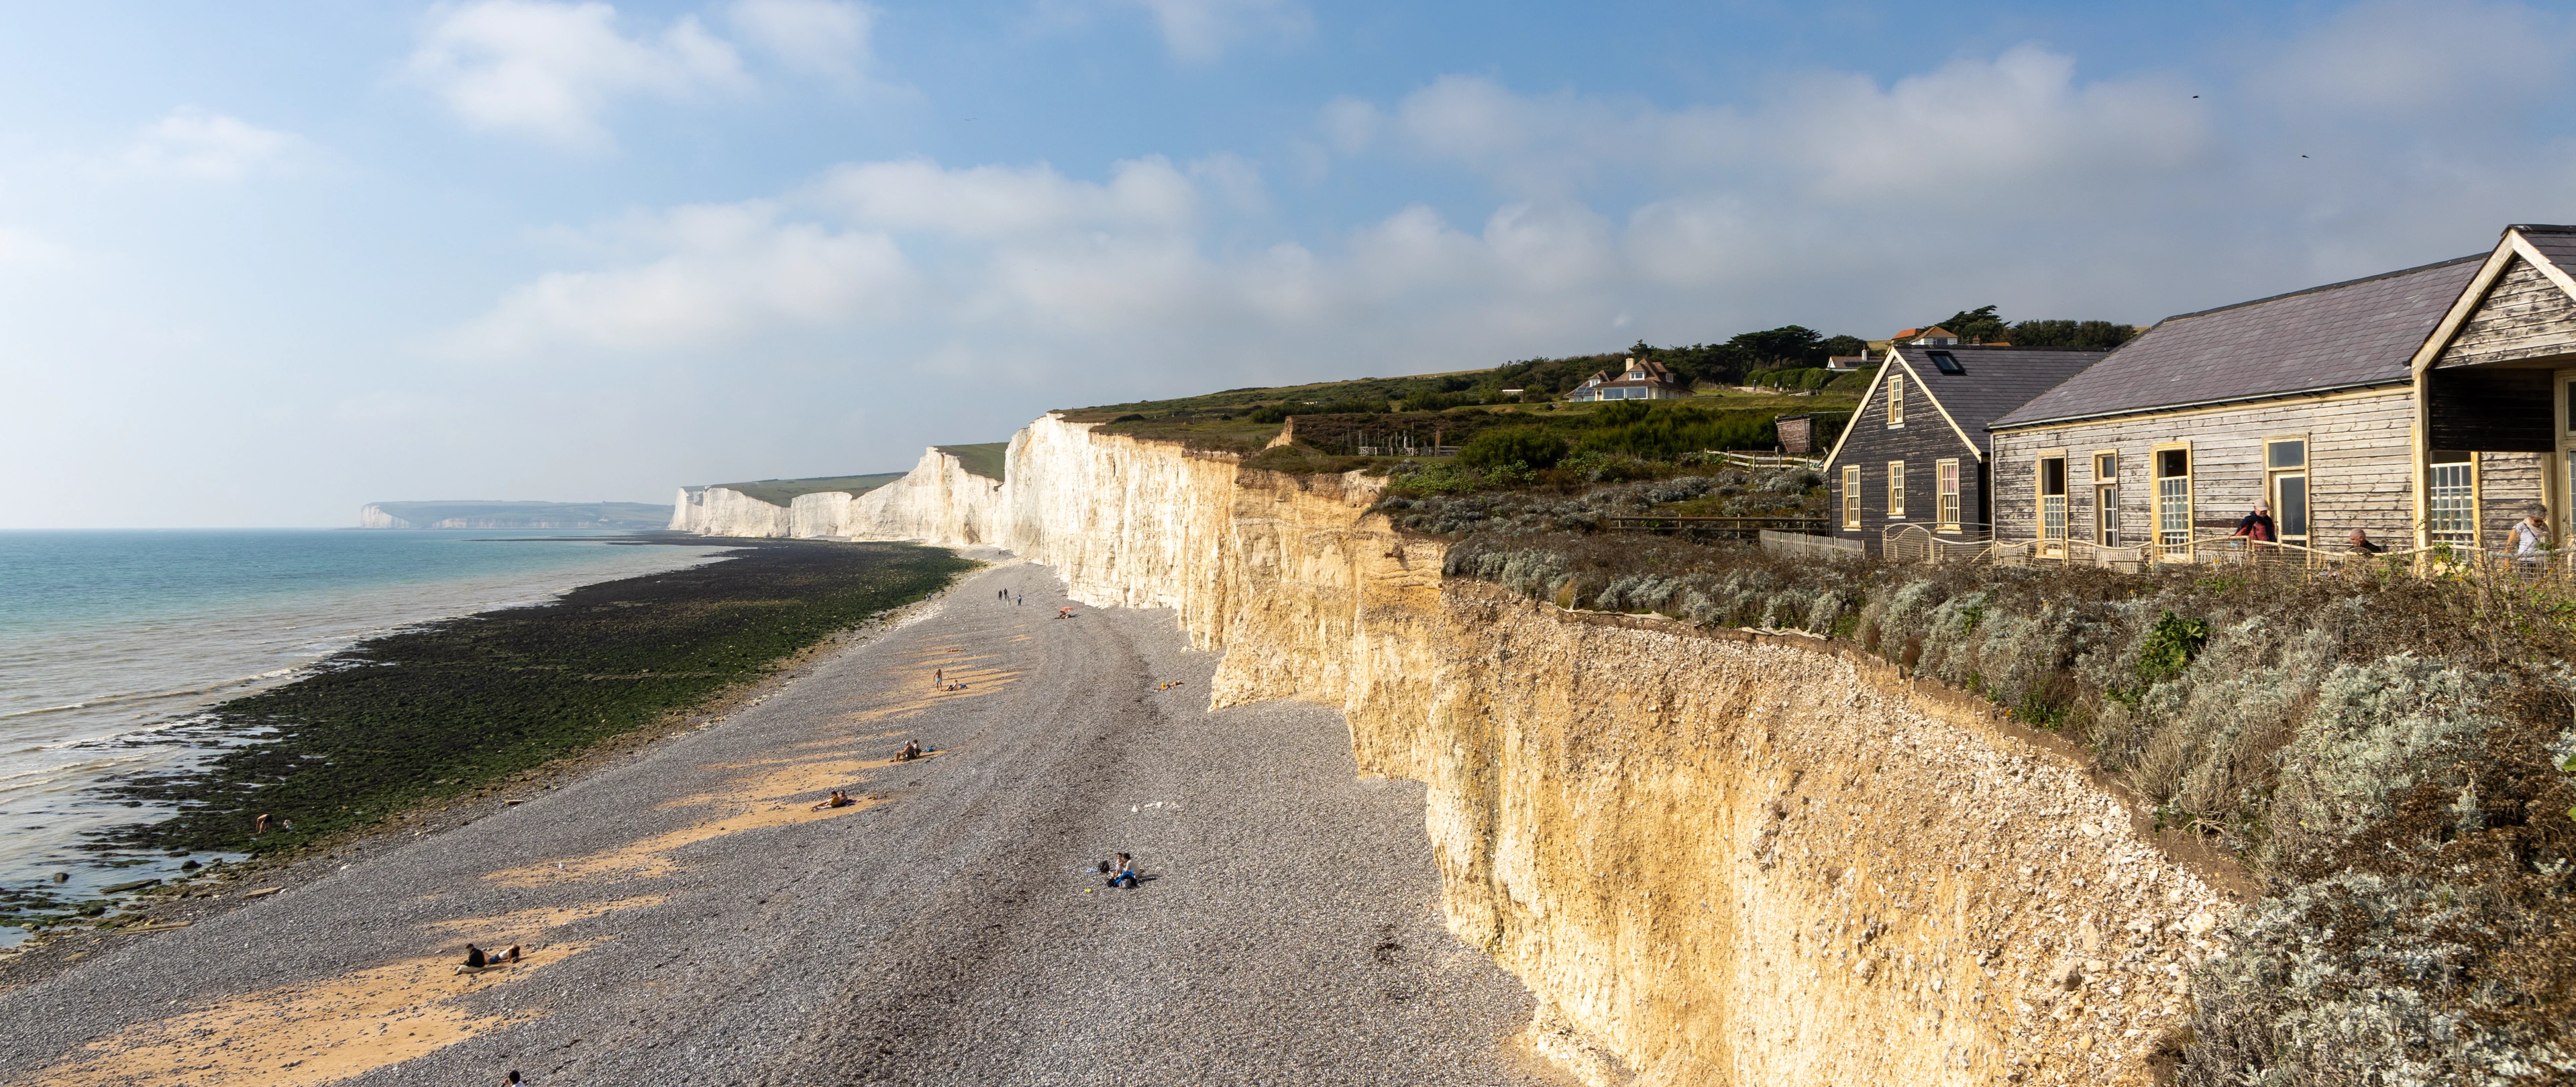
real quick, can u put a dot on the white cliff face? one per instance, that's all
(716, 511)
(939, 501)
(370, 516)
(1826, 873)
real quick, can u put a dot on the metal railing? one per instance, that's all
(1801, 546)
(1922, 543)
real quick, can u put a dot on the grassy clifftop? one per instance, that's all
(983, 459)
(779, 492)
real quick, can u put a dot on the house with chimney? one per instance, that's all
(1639, 379)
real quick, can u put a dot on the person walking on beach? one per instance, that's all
(939, 677)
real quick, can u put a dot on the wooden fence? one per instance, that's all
(1734, 528)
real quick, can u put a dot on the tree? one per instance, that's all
(2090, 335)
(1846, 345)
(1979, 325)
(1782, 347)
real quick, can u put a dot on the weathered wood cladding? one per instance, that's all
(2498, 410)
(2525, 315)
(2360, 471)
(1925, 440)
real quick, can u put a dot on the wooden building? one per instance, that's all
(2424, 406)
(1916, 449)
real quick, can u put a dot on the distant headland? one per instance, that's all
(491, 515)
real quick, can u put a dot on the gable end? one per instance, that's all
(2525, 315)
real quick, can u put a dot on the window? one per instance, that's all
(2106, 499)
(1895, 488)
(2173, 501)
(1947, 363)
(2285, 483)
(2052, 500)
(2453, 509)
(1851, 497)
(1895, 401)
(1946, 494)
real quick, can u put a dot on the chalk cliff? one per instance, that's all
(1715, 856)
(938, 501)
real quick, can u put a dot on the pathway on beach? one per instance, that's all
(693, 921)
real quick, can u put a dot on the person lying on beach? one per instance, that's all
(838, 799)
(478, 959)
(911, 751)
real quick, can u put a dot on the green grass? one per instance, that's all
(439, 710)
(780, 492)
(984, 459)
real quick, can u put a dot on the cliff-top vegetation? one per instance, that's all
(983, 459)
(2386, 756)
(780, 492)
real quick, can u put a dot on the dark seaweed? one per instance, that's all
(441, 709)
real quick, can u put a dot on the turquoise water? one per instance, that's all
(108, 638)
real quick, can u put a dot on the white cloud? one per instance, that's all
(1200, 31)
(552, 70)
(1838, 201)
(817, 37)
(711, 275)
(998, 202)
(196, 145)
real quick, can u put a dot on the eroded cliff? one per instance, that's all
(1716, 857)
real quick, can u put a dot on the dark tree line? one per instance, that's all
(1981, 325)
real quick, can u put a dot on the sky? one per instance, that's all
(263, 262)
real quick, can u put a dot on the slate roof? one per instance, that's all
(2558, 243)
(2342, 335)
(1997, 380)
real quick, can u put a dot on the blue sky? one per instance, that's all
(263, 262)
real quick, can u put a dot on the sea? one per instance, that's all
(110, 638)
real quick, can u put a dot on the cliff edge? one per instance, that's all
(1715, 857)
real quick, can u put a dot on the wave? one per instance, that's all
(130, 697)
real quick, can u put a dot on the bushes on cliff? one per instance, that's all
(2383, 754)
(1526, 447)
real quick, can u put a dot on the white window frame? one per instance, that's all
(2173, 501)
(1896, 401)
(1896, 490)
(1945, 495)
(1851, 497)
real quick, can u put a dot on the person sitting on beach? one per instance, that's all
(259, 826)
(911, 751)
(1126, 872)
(1065, 612)
(838, 799)
(476, 958)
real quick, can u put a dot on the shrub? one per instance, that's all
(1528, 447)
(1275, 413)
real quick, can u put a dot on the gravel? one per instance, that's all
(952, 934)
